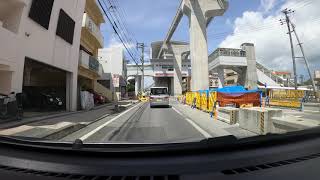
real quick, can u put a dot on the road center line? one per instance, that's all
(86, 136)
(202, 131)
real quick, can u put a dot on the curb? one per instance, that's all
(69, 130)
(15, 123)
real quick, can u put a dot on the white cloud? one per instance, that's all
(270, 38)
(267, 5)
(115, 42)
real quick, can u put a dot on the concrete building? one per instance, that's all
(39, 47)
(173, 68)
(114, 66)
(91, 40)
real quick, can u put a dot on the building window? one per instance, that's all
(65, 28)
(40, 12)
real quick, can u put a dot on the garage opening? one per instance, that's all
(44, 87)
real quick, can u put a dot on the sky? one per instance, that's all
(253, 21)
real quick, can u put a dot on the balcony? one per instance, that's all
(94, 30)
(227, 57)
(90, 62)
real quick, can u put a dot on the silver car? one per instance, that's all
(159, 96)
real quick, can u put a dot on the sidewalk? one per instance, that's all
(214, 127)
(76, 116)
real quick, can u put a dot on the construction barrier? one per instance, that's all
(212, 100)
(286, 98)
(204, 100)
(198, 100)
(285, 103)
(286, 94)
(189, 98)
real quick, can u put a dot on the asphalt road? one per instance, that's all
(143, 124)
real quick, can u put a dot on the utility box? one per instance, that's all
(228, 115)
(258, 120)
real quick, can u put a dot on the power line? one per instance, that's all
(114, 28)
(120, 24)
(120, 29)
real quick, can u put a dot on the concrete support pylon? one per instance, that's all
(137, 88)
(251, 74)
(178, 50)
(200, 13)
(221, 80)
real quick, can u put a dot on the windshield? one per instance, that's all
(109, 72)
(159, 91)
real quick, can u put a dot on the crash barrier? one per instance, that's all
(258, 120)
(238, 96)
(286, 98)
(228, 115)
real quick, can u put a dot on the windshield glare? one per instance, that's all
(124, 74)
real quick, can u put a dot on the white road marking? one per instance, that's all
(15, 130)
(56, 126)
(86, 136)
(202, 131)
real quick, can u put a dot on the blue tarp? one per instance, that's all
(235, 89)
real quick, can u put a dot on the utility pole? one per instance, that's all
(142, 46)
(304, 57)
(286, 13)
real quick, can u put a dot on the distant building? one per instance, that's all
(282, 74)
(114, 66)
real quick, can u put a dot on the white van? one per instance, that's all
(159, 96)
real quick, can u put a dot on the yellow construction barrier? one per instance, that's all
(212, 100)
(189, 98)
(198, 97)
(285, 103)
(204, 101)
(286, 98)
(144, 98)
(286, 94)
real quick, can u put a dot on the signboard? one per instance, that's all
(163, 74)
(286, 94)
(116, 80)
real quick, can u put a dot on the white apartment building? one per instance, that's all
(39, 47)
(114, 67)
